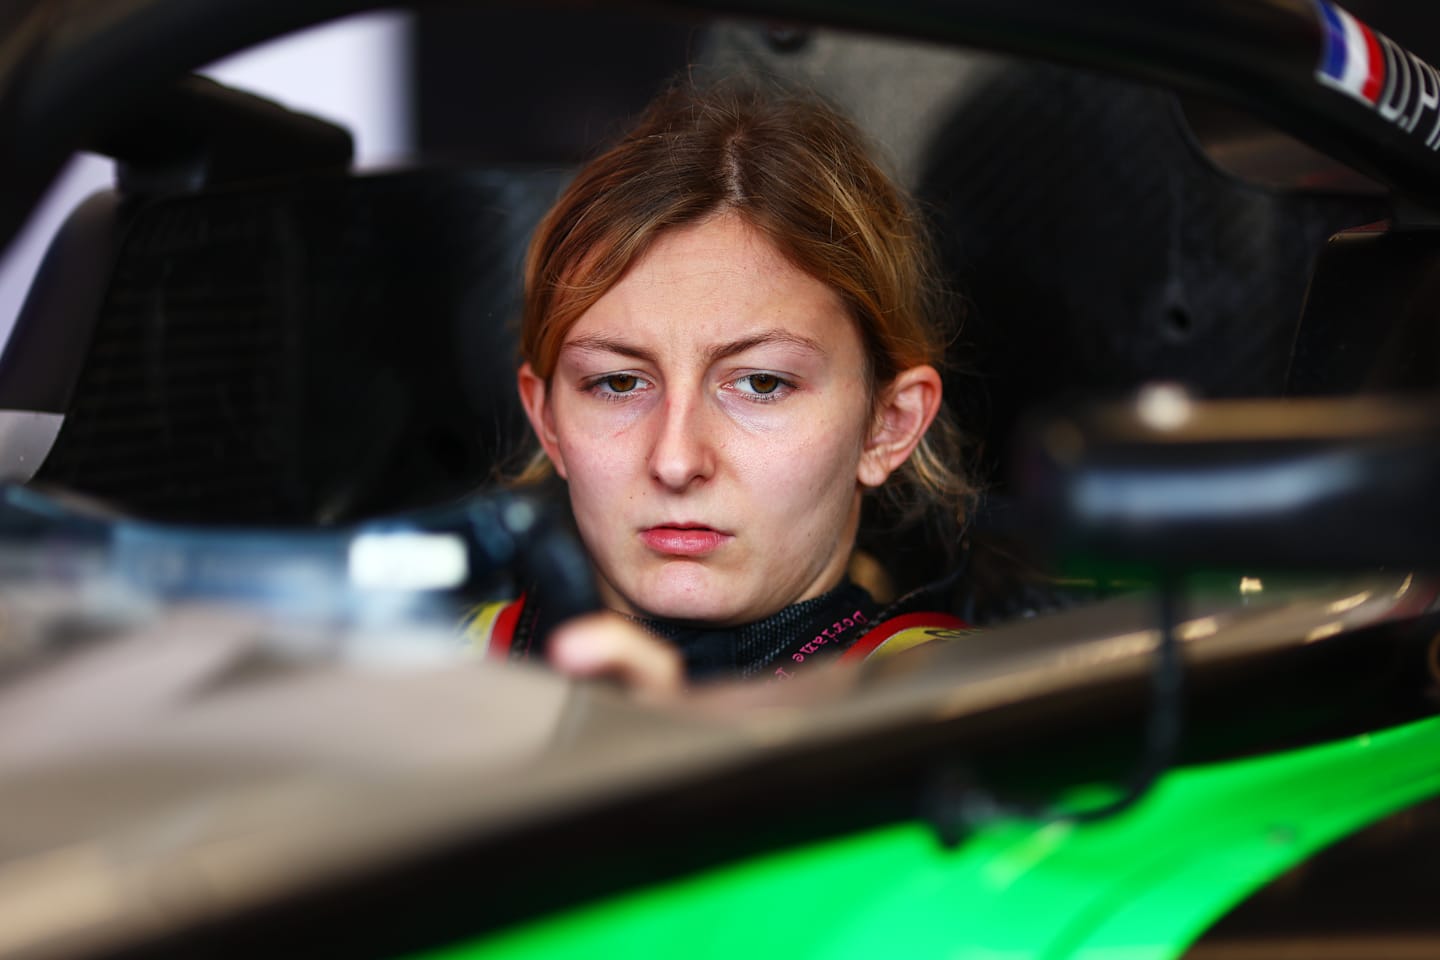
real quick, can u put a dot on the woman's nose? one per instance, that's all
(682, 454)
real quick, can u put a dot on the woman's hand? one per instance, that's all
(606, 645)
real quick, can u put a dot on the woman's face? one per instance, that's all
(710, 413)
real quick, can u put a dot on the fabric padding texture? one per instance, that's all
(313, 350)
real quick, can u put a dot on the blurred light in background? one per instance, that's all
(355, 72)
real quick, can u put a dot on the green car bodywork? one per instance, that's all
(1139, 886)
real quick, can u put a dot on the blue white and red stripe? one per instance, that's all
(1352, 60)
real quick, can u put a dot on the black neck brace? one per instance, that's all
(829, 622)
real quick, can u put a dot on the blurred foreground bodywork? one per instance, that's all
(244, 802)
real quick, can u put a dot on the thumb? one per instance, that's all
(606, 645)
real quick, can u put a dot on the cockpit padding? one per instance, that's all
(307, 350)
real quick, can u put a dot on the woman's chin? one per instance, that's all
(700, 610)
(693, 597)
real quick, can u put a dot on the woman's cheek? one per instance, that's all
(596, 417)
(776, 416)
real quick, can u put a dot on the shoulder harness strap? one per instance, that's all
(905, 631)
(489, 628)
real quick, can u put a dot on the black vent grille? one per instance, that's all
(179, 411)
(309, 351)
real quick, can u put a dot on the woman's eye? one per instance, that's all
(761, 384)
(616, 384)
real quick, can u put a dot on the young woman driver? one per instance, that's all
(728, 339)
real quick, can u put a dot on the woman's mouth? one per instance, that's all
(683, 540)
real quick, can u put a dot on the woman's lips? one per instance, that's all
(684, 541)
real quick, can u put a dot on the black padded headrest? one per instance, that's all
(312, 350)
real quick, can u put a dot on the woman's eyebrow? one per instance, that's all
(598, 343)
(722, 350)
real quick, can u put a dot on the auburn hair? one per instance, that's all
(802, 175)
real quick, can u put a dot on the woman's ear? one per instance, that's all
(907, 407)
(534, 397)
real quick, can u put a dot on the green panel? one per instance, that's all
(1139, 886)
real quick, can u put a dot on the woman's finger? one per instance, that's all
(606, 645)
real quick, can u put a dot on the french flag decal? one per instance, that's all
(1353, 61)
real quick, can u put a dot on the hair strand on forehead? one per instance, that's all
(734, 193)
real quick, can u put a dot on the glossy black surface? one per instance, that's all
(1368, 897)
(1169, 483)
(1369, 322)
